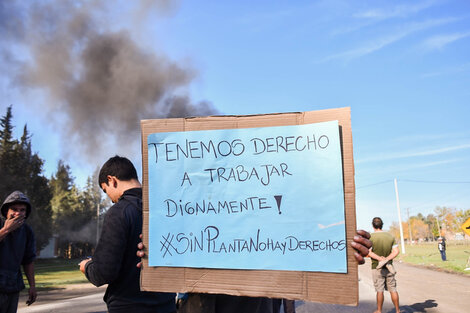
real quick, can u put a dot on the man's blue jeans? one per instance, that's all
(443, 255)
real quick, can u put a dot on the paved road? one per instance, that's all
(421, 290)
(82, 298)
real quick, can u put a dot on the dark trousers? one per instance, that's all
(141, 308)
(289, 305)
(443, 254)
(215, 303)
(9, 302)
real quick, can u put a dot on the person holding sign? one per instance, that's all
(220, 303)
(114, 260)
(265, 195)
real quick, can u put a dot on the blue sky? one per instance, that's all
(401, 66)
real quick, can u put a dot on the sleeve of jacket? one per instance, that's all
(106, 263)
(30, 249)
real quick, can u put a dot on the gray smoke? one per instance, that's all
(100, 83)
(86, 233)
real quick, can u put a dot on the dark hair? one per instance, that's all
(117, 166)
(377, 223)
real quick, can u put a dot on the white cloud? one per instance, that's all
(402, 10)
(430, 164)
(434, 137)
(373, 16)
(380, 43)
(411, 154)
(440, 41)
(366, 49)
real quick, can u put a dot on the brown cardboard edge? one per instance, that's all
(311, 286)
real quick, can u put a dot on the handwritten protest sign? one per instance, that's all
(260, 198)
(279, 201)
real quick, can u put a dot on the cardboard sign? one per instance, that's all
(255, 198)
(265, 202)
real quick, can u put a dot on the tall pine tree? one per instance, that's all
(74, 214)
(21, 169)
(7, 158)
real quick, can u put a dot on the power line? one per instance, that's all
(434, 181)
(375, 184)
(415, 181)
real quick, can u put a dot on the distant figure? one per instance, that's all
(17, 247)
(441, 245)
(384, 250)
(114, 261)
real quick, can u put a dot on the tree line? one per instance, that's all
(61, 210)
(445, 222)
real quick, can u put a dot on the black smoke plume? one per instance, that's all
(99, 82)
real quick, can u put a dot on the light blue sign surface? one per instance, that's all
(258, 198)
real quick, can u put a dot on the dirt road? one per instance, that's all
(421, 290)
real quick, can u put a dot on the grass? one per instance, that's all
(426, 254)
(56, 273)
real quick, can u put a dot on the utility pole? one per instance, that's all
(399, 218)
(438, 225)
(409, 226)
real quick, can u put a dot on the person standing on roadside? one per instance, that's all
(114, 261)
(384, 249)
(17, 247)
(441, 245)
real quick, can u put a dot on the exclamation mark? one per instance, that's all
(278, 201)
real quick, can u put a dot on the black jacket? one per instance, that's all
(17, 248)
(114, 261)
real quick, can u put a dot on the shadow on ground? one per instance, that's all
(417, 307)
(364, 306)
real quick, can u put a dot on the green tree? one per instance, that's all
(62, 206)
(95, 200)
(419, 228)
(21, 169)
(433, 227)
(395, 230)
(75, 218)
(444, 216)
(6, 131)
(7, 159)
(29, 169)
